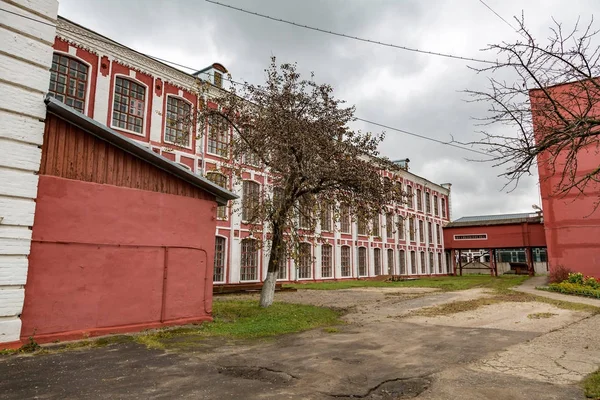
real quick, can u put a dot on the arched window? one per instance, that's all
(250, 200)
(402, 265)
(362, 261)
(219, 266)
(305, 261)
(178, 123)
(345, 261)
(390, 261)
(377, 260)
(68, 81)
(129, 105)
(326, 261)
(249, 260)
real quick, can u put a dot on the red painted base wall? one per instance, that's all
(110, 259)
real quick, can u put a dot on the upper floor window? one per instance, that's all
(411, 229)
(128, 105)
(389, 225)
(326, 218)
(218, 136)
(409, 196)
(218, 79)
(362, 226)
(401, 227)
(436, 207)
(443, 208)
(250, 200)
(419, 200)
(178, 125)
(68, 81)
(305, 211)
(421, 231)
(376, 226)
(428, 202)
(221, 180)
(430, 232)
(345, 220)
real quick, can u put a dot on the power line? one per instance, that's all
(421, 136)
(432, 53)
(108, 41)
(502, 18)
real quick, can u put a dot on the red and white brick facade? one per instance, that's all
(110, 65)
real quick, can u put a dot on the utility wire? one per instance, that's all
(432, 53)
(502, 18)
(108, 41)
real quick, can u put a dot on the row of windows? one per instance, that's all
(428, 201)
(68, 83)
(250, 253)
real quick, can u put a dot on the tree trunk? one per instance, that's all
(267, 293)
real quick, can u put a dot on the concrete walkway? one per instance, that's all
(529, 286)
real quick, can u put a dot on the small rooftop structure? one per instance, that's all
(402, 163)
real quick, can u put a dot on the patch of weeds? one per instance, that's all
(7, 352)
(591, 385)
(30, 347)
(501, 297)
(331, 330)
(446, 283)
(541, 315)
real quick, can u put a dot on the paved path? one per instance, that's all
(529, 286)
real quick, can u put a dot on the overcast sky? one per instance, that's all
(415, 92)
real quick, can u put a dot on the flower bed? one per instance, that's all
(578, 285)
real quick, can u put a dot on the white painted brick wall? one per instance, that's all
(24, 78)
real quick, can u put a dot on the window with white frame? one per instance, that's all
(219, 265)
(438, 234)
(436, 207)
(389, 225)
(443, 208)
(412, 231)
(440, 263)
(413, 262)
(421, 231)
(282, 272)
(402, 265)
(401, 228)
(250, 200)
(419, 200)
(377, 260)
(178, 123)
(305, 261)
(221, 180)
(431, 262)
(68, 81)
(376, 227)
(430, 232)
(129, 105)
(249, 260)
(428, 202)
(326, 217)
(362, 261)
(423, 265)
(305, 211)
(345, 261)
(345, 222)
(409, 196)
(362, 226)
(390, 261)
(218, 136)
(326, 261)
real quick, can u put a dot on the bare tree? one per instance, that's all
(298, 131)
(552, 108)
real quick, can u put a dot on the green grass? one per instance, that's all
(591, 385)
(573, 289)
(447, 283)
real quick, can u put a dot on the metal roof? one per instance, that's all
(137, 150)
(499, 219)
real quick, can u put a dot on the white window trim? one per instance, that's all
(457, 237)
(225, 257)
(208, 128)
(165, 122)
(244, 221)
(87, 86)
(112, 105)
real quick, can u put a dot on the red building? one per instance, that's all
(571, 219)
(134, 94)
(123, 239)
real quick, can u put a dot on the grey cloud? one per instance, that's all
(416, 92)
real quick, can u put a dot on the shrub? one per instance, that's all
(574, 288)
(591, 282)
(576, 278)
(559, 274)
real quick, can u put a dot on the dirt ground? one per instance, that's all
(501, 351)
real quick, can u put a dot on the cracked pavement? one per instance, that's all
(378, 354)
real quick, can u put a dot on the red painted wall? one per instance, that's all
(571, 220)
(498, 236)
(109, 259)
